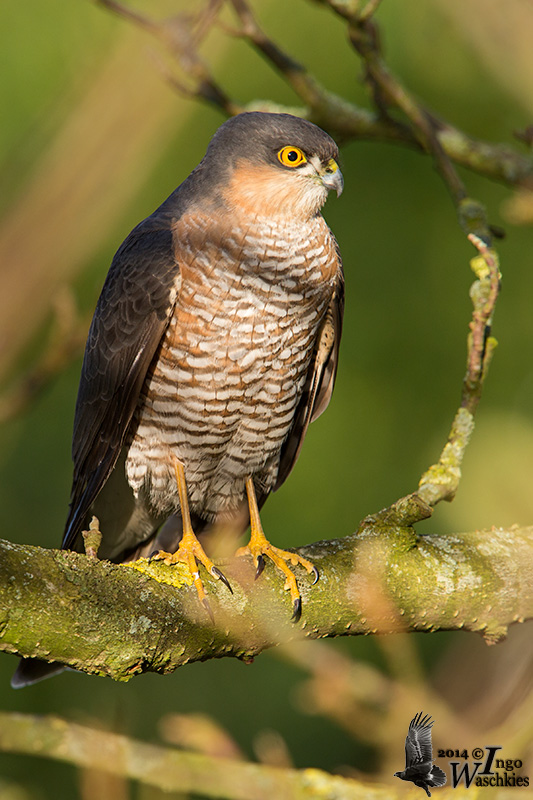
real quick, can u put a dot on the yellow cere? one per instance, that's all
(291, 156)
(332, 166)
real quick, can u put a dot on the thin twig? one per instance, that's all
(437, 137)
(369, 10)
(180, 38)
(305, 86)
(343, 119)
(441, 480)
(484, 293)
(364, 36)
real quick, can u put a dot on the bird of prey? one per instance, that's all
(419, 767)
(213, 345)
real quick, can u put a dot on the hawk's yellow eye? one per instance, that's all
(291, 156)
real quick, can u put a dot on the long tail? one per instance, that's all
(436, 777)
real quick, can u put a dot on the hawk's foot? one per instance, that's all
(190, 551)
(259, 547)
(258, 550)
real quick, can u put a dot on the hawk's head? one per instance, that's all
(271, 164)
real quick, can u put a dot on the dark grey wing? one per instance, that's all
(129, 321)
(319, 383)
(418, 747)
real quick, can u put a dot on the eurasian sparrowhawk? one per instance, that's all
(213, 346)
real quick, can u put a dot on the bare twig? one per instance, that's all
(322, 107)
(305, 86)
(369, 10)
(441, 480)
(364, 36)
(437, 137)
(484, 293)
(181, 36)
(343, 119)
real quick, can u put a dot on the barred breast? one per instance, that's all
(223, 388)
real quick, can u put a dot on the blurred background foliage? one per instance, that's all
(92, 140)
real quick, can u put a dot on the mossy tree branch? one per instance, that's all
(175, 770)
(123, 620)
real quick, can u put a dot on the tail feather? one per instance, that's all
(436, 777)
(33, 670)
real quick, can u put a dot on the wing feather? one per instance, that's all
(130, 319)
(319, 383)
(418, 747)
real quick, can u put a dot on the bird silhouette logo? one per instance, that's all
(419, 766)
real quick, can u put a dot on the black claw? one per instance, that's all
(260, 565)
(316, 573)
(208, 609)
(153, 554)
(216, 573)
(296, 609)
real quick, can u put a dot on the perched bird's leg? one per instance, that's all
(259, 547)
(190, 551)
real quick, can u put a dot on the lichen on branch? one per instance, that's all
(112, 620)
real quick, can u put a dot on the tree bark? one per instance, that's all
(121, 620)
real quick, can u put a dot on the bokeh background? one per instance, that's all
(92, 139)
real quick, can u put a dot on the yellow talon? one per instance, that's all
(190, 551)
(259, 547)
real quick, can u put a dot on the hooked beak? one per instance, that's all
(332, 177)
